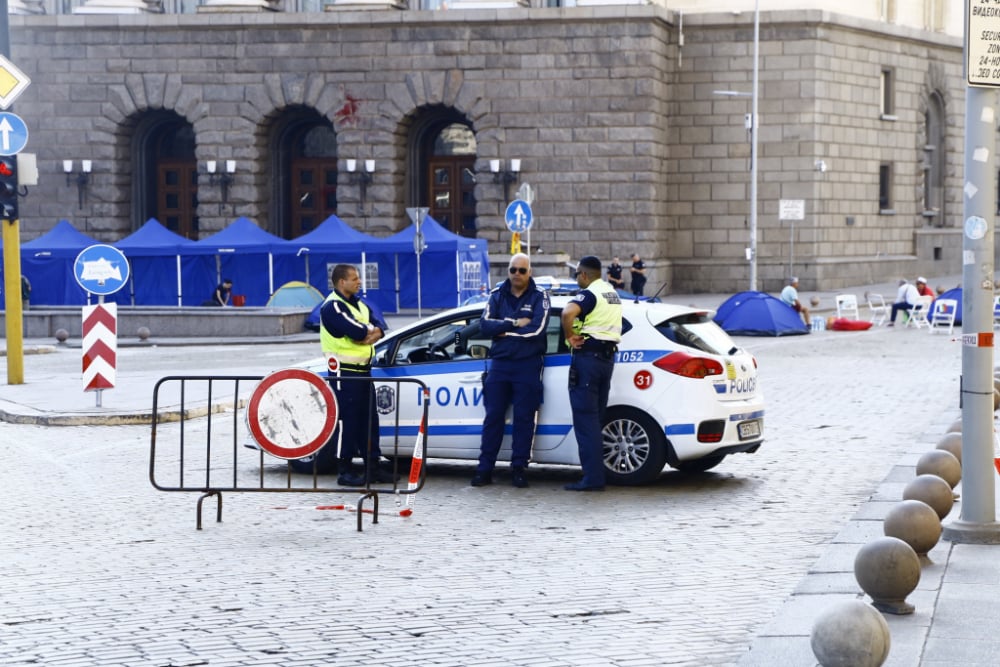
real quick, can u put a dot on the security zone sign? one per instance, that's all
(292, 413)
(983, 48)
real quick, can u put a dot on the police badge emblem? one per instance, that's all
(385, 399)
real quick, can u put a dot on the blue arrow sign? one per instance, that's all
(13, 133)
(518, 216)
(101, 269)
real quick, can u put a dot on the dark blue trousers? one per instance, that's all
(510, 383)
(589, 385)
(358, 422)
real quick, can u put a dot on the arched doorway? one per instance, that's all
(445, 150)
(166, 182)
(934, 161)
(305, 152)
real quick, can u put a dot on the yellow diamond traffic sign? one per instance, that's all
(12, 82)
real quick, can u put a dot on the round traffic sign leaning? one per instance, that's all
(101, 269)
(292, 413)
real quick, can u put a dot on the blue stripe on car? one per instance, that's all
(470, 429)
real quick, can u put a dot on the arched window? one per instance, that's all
(444, 148)
(934, 161)
(305, 180)
(165, 186)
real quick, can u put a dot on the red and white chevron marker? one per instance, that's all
(100, 346)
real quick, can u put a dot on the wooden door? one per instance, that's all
(452, 200)
(177, 196)
(314, 194)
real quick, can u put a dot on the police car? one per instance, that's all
(683, 393)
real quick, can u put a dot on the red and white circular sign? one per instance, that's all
(292, 413)
(643, 380)
(332, 364)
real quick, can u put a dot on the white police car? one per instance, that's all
(682, 393)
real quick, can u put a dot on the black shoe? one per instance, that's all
(482, 479)
(519, 477)
(581, 486)
(351, 479)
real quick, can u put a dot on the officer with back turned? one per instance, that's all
(592, 325)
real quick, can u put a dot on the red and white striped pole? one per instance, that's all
(100, 347)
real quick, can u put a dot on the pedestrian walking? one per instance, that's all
(592, 325)
(348, 332)
(515, 318)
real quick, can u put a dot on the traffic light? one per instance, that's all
(8, 188)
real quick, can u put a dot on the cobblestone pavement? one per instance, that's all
(101, 569)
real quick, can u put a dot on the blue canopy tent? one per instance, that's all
(310, 257)
(47, 262)
(456, 266)
(243, 253)
(758, 314)
(158, 268)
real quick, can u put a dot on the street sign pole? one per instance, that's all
(417, 215)
(977, 523)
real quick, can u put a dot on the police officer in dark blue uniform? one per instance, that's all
(592, 325)
(515, 317)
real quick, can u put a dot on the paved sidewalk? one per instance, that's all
(957, 619)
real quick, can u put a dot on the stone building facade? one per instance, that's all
(614, 113)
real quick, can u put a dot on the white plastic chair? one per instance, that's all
(879, 310)
(918, 314)
(943, 314)
(847, 306)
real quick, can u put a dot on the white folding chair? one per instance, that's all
(847, 306)
(918, 314)
(943, 314)
(879, 311)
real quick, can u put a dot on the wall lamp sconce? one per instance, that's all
(362, 178)
(222, 179)
(81, 178)
(505, 176)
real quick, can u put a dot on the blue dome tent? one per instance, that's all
(758, 314)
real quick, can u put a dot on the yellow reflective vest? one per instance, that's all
(351, 354)
(604, 322)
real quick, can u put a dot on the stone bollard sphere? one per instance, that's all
(888, 570)
(62, 335)
(956, 426)
(143, 333)
(952, 442)
(814, 301)
(996, 400)
(916, 523)
(941, 463)
(932, 490)
(850, 634)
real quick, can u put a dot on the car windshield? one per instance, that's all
(697, 330)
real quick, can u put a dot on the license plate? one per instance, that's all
(749, 429)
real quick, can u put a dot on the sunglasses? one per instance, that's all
(518, 269)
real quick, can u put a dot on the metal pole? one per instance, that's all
(753, 149)
(978, 517)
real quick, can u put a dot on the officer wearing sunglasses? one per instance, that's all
(515, 317)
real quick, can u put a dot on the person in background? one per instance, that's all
(790, 295)
(638, 274)
(516, 317)
(592, 326)
(220, 297)
(615, 274)
(923, 289)
(906, 297)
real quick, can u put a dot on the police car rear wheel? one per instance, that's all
(635, 448)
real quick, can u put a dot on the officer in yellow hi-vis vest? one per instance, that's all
(592, 325)
(348, 332)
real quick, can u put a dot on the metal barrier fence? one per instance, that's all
(222, 462)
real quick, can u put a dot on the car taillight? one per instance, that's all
(686, 365)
